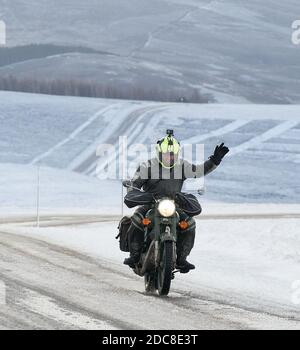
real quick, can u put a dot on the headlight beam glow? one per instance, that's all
(166, 208)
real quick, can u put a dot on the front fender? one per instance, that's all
(168, 235)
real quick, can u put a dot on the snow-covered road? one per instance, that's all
(57, 288)
(62, 276)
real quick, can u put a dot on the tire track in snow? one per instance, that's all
(133, 132)
(87, 158)
(221, 131)
(273, 132)
(79, 161)
(45, 305)
(72, 136)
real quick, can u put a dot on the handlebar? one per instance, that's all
(128, 184)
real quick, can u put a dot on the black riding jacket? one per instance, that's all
(152, 177)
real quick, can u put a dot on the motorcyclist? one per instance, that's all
(164, 175)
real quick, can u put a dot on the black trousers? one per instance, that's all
(185, 238)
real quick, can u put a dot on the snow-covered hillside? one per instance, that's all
(65, 132)
(237, 50)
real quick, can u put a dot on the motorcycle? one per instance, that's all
(158, 259)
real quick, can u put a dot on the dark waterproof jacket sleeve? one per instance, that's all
(192, 171)
(142, 175)
(135, 198)
(188, 203)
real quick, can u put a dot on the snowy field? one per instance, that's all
(236, 50)
(64, 133)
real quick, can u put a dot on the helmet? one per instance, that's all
(167, 150)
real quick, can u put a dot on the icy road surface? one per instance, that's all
(69, 275)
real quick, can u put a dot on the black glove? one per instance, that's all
(127, 183)
(219, 154)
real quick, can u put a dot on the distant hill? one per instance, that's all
(239, 51)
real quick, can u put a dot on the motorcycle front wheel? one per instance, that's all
(165, 270)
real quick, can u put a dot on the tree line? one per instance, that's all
(93, 89)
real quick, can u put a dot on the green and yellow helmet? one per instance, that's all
(167, 150)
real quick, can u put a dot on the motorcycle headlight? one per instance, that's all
(166, 208)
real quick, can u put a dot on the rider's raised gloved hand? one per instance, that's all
(219, 154)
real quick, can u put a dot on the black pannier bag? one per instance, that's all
(123, 228)
(188, 203)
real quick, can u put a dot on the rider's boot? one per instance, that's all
(185, 244)
(136, 242)
(184, 266)
(135, 254)
(132, 260)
